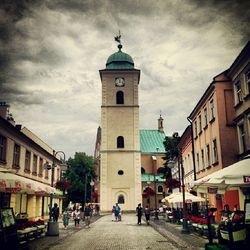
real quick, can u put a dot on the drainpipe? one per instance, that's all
(192, 138)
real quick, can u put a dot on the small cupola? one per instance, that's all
(160, 124)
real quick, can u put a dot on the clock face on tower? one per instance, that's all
(119, 82)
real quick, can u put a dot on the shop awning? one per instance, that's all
(12, 183)
(178, 197)
(237, 174)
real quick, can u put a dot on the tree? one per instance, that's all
(78, 167)
(170, 144)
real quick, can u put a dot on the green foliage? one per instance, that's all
(170, 144)
(78, 167)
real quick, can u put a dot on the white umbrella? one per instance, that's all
(235, 174)
(178, 197)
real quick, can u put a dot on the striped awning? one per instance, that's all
(12, 183)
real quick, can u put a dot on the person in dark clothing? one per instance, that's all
(87, 213)
(139, 213)
(147, 214)
(55, 212)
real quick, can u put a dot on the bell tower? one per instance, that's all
(120, 169)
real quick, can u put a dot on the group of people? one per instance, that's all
(77, 214)
(139, 213)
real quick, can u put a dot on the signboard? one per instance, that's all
(247, 212)
(246, 179)
(212, 190)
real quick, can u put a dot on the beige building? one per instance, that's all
(239, 72)
(25, 182)
(215, 138)
(185, 147)
(120, 164)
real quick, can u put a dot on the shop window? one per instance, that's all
(119, 97)
(16, 156)
(121, 199)
(2, 148)
(120, 142)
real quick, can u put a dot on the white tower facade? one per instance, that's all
(120, 170)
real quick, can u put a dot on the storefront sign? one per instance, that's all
(212, 190)
(246, 179)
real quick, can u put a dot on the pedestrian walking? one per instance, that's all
(87, 213)
(147, 214)
(77, 217)
(65, 219)
(139, 213)
(117, 211)
(55, 212)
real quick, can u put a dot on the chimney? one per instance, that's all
(160, 124)
(4, 110)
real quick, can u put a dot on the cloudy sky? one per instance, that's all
(51, 53)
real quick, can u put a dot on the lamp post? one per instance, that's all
(185, 229)
(53, 229)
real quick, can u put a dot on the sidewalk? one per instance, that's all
(173, 233)
(49, 241)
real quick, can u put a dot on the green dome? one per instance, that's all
(120, 60)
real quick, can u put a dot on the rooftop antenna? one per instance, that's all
(118, 39)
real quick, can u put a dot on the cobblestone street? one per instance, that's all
(106, 234)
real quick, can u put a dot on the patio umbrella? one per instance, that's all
(235, 174)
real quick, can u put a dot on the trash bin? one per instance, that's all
(53, 228)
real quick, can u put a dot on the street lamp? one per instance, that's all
(53, 228)
(185, 229)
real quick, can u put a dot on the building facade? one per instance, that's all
(239, 73)
(152, 165)
(120, 164)
(185, 147)
(215, 138)
(25, 182)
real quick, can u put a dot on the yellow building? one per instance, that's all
(25, 182)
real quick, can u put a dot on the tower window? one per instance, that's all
(119, 97)
(120, 172)
(120, 142)
(121, 199)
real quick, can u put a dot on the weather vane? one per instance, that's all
(118, 39)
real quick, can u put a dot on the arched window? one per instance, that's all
(120, 142)
(121, 199)
(159, 189)
(119, 97)
(143, 171)
(161, 170)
